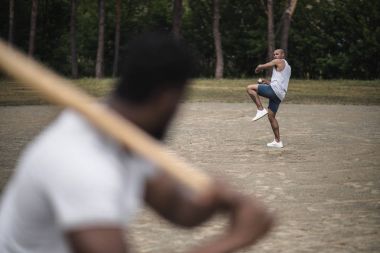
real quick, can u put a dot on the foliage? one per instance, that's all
(328, 38)
(339, 38)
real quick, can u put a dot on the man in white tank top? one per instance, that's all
(275, 90)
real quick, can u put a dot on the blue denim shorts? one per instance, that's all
(267, 91)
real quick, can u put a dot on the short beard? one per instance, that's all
(158, 134)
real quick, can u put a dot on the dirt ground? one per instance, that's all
(324, 186)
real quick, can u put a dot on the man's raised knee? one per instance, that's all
(251, 89)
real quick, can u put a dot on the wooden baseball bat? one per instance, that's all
(61, 91)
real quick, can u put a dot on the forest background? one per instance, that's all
(325, 39)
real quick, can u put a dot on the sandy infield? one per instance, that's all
(324, 185)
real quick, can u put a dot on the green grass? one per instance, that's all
(225, 90)
(14, 93)
(300, 91)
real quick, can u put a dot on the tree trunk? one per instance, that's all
(117, 37)
(288, 13)
(73, 39)
(270, 35)
(177, 18)
(33, 25)
(100, 51)
(11, 20)
(217, 41)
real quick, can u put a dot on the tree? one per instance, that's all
(177, 17)
(325, 39)
(287, 18)
(11, 20)
(284, 26)
(33, 27)
(270, 32)
(100, 51)
(73, 39)
(219, 66)
(334, 39)
(117, 37)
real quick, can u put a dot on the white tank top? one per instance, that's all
(280, 80)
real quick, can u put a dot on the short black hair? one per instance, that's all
(153, 62)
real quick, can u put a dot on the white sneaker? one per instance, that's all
(275, 144)
(260, 114)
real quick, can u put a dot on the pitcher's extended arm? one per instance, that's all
(279, 63)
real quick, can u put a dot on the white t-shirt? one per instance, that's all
(280, 80)
(71, 176)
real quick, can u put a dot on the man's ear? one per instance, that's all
(166, 98)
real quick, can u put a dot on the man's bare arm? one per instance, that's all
(176, 203)
(279, 63)
(263, 81)
(97, 240)
(249, 220)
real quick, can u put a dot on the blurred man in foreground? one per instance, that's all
(77, 190)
